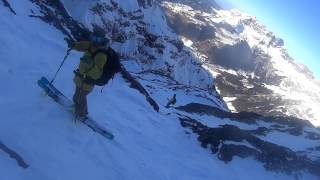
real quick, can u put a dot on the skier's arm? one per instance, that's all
(81, 45)
(96, 71)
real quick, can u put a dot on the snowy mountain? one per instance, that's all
(198, 138)
(252, 69)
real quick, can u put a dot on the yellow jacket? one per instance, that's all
(88, 66)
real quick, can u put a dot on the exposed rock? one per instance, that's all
(236, 57)
(224, 141)
(7, 4)
(136, 85)
(291, 125)
(145, 3)
(59, 18)
(195, 32)
(246, 117)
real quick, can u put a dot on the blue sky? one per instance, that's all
(296, 22)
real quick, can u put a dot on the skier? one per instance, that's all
(90, 68)
(171, 101)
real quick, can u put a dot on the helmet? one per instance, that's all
(98, 37)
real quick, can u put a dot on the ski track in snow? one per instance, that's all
(147, 145)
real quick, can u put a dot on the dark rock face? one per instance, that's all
(228, 141)
(291, 125)
(192, 31)
(236, 57)
(145, 3)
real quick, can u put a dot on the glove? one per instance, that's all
(70, 43)
(84, 78)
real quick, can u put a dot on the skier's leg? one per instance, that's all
(80, 99)
(76, 101)
(83, 103)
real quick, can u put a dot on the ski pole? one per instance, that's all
(64, 59)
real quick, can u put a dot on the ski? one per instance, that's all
(61, 99)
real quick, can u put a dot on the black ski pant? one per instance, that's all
(80, 102)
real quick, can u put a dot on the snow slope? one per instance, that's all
(147, 145)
